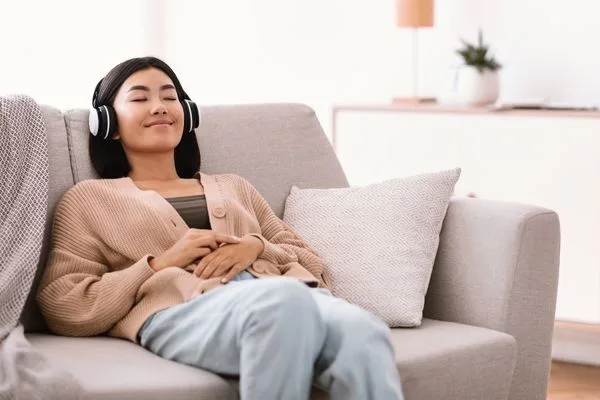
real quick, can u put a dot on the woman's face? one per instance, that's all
(149, 114)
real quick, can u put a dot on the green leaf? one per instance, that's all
(478, 55)
(468, 45)
(463, 53)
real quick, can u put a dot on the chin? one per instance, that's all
(164, 139)
(159, 146)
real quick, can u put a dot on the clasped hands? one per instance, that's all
(215, 254)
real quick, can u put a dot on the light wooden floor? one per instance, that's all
(574, 382)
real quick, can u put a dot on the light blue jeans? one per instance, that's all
(279, 336)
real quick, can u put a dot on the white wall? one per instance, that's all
(324, 52)
(549, 47)
(313, 51)
(56, 51)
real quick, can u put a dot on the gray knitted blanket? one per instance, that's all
(24, 372)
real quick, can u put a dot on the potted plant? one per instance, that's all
(478, 81)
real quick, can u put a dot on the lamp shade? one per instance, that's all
(414, 13)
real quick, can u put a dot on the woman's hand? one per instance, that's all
(230, 259)
(196, 243)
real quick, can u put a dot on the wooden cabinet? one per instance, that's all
(550, 159)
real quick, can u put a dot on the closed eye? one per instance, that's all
(138, 100)
(170, 98)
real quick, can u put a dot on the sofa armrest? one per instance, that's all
(497, 267)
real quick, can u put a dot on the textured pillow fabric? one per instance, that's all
(378, 242)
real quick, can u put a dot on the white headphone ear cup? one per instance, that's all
(191, 116)
(195, 117)
(199, 122)
(93, 121)
(110, 122)
(187, 121)
(102, 122)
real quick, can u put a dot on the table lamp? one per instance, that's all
(414, 14)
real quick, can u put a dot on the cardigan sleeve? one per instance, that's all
(282, 245)
(78, 294)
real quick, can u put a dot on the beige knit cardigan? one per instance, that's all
(97, 279)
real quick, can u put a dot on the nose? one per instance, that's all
(158, 107)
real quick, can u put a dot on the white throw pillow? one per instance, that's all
(378, 242)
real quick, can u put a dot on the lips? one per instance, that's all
(159, 122)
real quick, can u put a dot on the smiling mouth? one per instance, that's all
(159, 123)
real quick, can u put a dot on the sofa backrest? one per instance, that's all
(274, 146)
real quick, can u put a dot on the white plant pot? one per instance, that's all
(477, 89)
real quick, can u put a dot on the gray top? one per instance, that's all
(192, 209)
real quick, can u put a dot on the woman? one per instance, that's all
(197, 268)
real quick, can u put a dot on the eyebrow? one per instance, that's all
(147, 89)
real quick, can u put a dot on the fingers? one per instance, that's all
(207, 272)
(201, 252)
(202, 238)
(222, 269)
(219, 237)
(220, 261)
(205, 241)
(227, 239)
(203, 264)
(233, 272)
(209, 264)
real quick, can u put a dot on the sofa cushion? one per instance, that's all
(442, 360)
(436, 360)
(379, 241)
(115, 369)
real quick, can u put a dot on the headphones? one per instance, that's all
(103, 119)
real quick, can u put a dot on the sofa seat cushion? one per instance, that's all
(115, 369)
(446, 360)
(437, 360)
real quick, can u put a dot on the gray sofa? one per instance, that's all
(489, 309)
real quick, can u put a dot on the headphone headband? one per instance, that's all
(96, 91)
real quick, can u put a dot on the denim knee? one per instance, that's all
(361, 328)
(285, 300)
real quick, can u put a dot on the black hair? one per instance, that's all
(107, 156)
